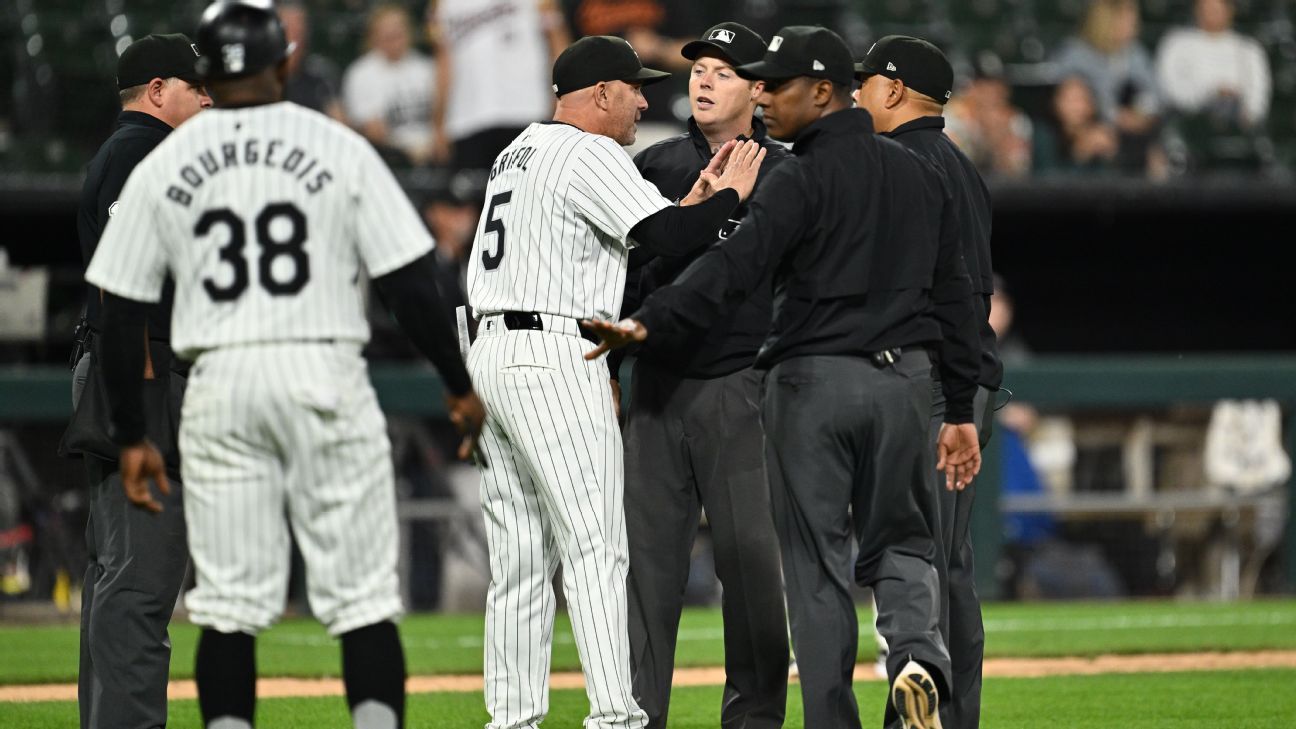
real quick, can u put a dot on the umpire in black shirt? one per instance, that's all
(860, 236)
(136, 559)
(692, 430)
(906, 82)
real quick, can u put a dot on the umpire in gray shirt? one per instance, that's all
(137, 559)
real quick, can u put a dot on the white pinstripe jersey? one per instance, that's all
(263, 216)
(553, 234)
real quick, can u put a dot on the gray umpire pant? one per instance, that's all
(693, 443)
(136, 569)
(961, 624)
(848, 458)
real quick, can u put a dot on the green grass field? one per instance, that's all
(1232, 700)
(453, 644)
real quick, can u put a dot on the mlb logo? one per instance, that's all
(724, 36)
(776, 43)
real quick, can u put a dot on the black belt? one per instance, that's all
(531, 321)
(887, 357)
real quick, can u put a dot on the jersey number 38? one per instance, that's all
(289, 246)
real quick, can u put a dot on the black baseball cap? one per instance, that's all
(803, 50)
(157, 56)
(734, 42)
(919, 64)
(596, 58)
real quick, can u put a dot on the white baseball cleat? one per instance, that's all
(915, 698)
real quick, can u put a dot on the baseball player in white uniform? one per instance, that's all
(563, 206)
(265, 215)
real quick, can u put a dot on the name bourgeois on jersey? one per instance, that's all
(247, 153)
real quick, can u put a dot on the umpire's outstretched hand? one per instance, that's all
(613, 335)
(139, 464)
(958, 454)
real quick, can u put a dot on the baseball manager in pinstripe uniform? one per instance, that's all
(564, 206)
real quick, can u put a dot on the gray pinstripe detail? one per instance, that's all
(555, 495)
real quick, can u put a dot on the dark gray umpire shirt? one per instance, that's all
(731, 343)
(927, 137)
(845, 228)
(136, 135)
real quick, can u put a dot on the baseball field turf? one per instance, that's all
(1165, 688)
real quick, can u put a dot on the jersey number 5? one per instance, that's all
(272, 248)
(494, 225)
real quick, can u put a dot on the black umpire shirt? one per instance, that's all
(731, 343)
(861, 236)
(927, 137)
(136, 135)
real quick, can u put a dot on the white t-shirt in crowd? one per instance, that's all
(400, 94)
(1194, 66)
(500, 64)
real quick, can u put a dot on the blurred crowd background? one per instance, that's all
(1141, 154)
(1150, 88)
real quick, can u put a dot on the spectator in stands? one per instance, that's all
(1012, 348)
(506, 47)
(1023, 534)
(387, 92)
(312, 79)
(1073, 139)
(1119, 71)
(452, 215)
(982, 120)
(1215, 70)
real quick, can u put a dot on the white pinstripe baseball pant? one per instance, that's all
(275, 433)
(554, 491)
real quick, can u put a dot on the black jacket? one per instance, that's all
(136, 135)
(731, 343)
(927, 137)
(862, 238)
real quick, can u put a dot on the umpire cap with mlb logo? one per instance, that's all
(157, 56)
(734, 42)
(803, 50)
(597, 58)
(919, 64)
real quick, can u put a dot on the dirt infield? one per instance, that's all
(995, 667)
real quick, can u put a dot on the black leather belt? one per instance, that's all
(530, 320)
(887, 357)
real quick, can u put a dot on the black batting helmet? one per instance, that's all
(238, 38)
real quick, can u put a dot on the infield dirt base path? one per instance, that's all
(995, 667)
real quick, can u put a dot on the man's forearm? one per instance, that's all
(122, 356)
(677, 230)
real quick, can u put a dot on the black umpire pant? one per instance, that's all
(693, 443)
(848, 458)
(136, 569)
(961, 624)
